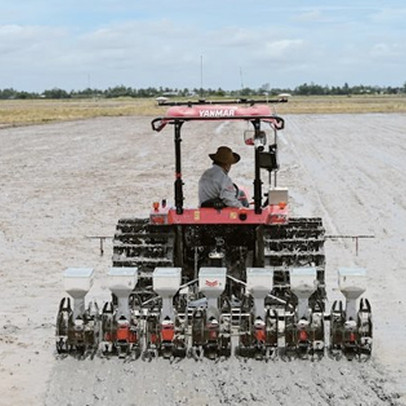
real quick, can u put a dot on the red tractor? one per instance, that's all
(204, 281)
(261, 236)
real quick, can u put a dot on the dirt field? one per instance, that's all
(63, 182)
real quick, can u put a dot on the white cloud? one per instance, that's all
(234, 37)
(282, 49)
(310, 16)
(29, 45)
(387, 15)
(387, 51)
(166, 50)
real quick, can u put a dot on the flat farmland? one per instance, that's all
(26, 112)
(63, 181)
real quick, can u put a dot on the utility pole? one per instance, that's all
(201, 76)
(242, 82)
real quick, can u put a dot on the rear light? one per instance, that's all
(212, 335)
(155, 205)
(123, 333)
(303, 335)
(159, 218)
(168, 333)
(277, 219)
(282, 205)
(260, 334)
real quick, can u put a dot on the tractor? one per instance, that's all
(205, 281)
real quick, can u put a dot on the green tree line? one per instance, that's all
(305, 89)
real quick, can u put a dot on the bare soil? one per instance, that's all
(63, 182)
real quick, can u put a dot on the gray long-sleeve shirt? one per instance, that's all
(216, 183)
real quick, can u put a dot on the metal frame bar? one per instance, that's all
(178, 168)
(203, 102)
(102, 239)
(353, 237)
(174, 120)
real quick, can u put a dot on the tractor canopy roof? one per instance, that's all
(206, 112)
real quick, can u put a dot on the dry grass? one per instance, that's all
(27, 112)
(344, 105)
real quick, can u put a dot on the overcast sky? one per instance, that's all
(74, 44)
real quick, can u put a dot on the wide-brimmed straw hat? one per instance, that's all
(225, 155)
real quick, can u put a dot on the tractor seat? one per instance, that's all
(215, 203)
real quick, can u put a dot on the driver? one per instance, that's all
(216, 189)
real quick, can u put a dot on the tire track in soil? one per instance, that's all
(224, 383)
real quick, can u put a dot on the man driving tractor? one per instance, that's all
(216, 189)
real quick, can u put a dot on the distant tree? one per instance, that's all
(184, 92)
(56, 93)
(119, 91)
(266, 87)
(246, 91)
(88, 92)
(304, 89)
(220, 92)
(9, 93)
(393, 90)
(26, 95)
